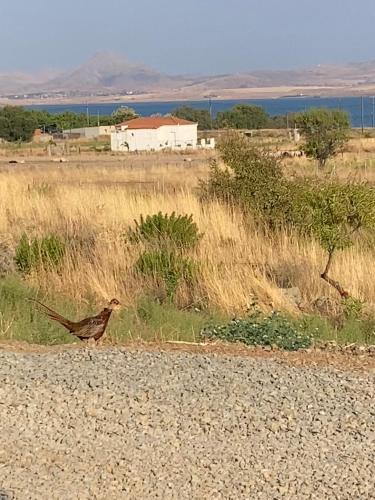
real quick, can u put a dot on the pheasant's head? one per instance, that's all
(114, 305)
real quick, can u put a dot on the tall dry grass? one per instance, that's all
(94, 207)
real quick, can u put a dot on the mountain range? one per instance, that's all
(111, 74)
(104, 72)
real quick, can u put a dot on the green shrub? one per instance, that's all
(46, 252)
(252, 179)
(347, 330)
(260, 330)
(171, 267)
(352, 308)
(164, 230)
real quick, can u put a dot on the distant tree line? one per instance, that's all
(68, 120)
(18, 124)
(325, 131)
(241, 116)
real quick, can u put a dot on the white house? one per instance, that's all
(90, 132)
(155, 134)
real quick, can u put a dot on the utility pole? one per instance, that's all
(98, 120)
(87, 115)
(362, 114)
(210, 109)
(373, 111)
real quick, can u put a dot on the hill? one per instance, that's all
(110, 74)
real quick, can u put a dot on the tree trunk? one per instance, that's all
(335, 284)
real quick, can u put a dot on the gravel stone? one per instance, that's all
(113, 424)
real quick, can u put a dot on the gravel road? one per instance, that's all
(113, 424)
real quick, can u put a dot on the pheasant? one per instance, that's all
(88, 328)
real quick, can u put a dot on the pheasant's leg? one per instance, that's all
(91, 342)
(99, 342)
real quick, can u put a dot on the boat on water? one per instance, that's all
(300, 96)
(293, 96)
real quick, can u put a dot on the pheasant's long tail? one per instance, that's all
(55, 316)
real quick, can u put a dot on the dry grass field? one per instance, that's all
(98, 199)
(94, 198)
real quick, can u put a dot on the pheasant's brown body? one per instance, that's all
(88, 328)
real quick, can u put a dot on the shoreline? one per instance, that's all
(219, 95)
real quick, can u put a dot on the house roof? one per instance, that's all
(154, 122)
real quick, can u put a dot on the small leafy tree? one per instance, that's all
(242, 116)
(123, 114)
(325, 131)
(17, 124)
(334, 213)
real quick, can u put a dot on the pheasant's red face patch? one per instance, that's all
(114, 304)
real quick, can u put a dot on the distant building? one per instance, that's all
(155, 134)
(89, 132)
(208, 143)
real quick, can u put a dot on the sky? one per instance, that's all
(187, 36)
